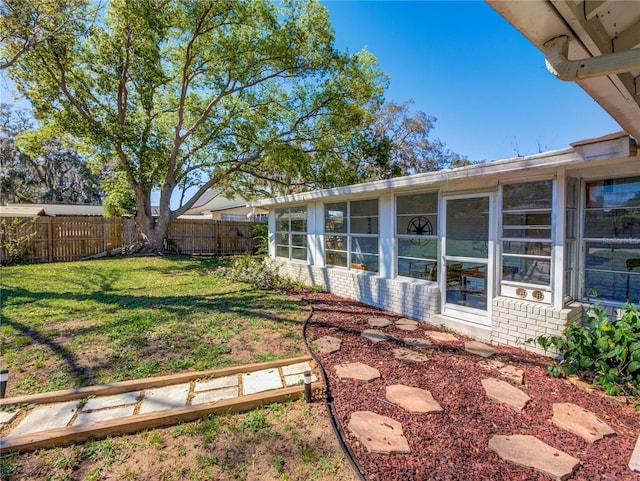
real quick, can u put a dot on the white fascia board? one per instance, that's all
(496, 168)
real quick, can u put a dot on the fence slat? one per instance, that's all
(70, 238)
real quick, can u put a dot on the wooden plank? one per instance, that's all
(136, 384)
(140, 422)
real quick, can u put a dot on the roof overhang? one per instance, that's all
(595, 43)
(586, 152)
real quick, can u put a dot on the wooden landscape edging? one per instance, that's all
(151, 382)
(140, 422)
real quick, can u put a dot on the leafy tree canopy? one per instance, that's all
(38, 166)
(176, 93)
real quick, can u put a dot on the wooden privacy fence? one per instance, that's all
(70, 238)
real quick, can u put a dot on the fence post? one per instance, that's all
(50, 239)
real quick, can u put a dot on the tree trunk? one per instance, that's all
(153, 229)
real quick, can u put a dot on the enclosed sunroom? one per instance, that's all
(503, 251)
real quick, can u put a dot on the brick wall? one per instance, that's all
(411, 298)
(513, 321)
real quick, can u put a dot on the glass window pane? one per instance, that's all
(612, 223)
(365, 262)
(299, 253)
(527, 219)
(367, 208)
(418, 248)
(299, 219)
(571, 223)
(367, 245)
(612, 193)
(522, 269)
(461, 215)
(335, 216)
(282, 239)
(299, 240)
(364, 225)
(418, 269)
(417, 225)
(282, 251)
(336, 242)
(610, 257)
(527, 233)
(417, 204)
(527, 248)
(467, 284)
(335, 258)
(530, 195)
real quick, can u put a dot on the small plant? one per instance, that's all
(602, 351)
(257, 273)
(15, 240)
(254, 421)
(278, 463)
(261, 239)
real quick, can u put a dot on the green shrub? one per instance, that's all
(600, 350)
(261, 237)
(255, 272)
(15, 240)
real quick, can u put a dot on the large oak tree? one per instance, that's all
(193, 93)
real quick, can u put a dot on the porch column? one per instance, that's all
(386, 224)
(315, 240)
(559, 227)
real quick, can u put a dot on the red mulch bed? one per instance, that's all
(453, 445)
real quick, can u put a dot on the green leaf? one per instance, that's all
(633, 366)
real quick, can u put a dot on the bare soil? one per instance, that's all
(453, 445)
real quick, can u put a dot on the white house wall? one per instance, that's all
(511, 320)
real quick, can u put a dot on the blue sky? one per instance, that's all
(462, 63)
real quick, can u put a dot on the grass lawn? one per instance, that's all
(101, 321)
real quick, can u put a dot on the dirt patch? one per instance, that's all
(453, 445)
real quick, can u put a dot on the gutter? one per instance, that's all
(556, 52)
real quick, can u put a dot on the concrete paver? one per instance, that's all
(103, 402)
(298, 368)
(104, 415)
(168, 397)
(530, 452)
(6, 418)
(259, 381)
(215, 395)
(505, 393)
(379, 434)
(44, 418)
(216, 383)
(580, 422)
(293, 379)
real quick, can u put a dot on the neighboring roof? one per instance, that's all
(606, 147)
(30, 210)
(215, 200)
(603, 35)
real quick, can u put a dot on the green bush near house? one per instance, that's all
(603, 351)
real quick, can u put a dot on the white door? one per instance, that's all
(467, 261)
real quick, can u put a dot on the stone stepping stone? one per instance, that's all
(357, 371)
(374, 335)
(505, 393)
(161, 398)
(442, 336)
(491, 364)
(413, 399)
(512, 373)
(634, 461)
(479, 348)
(379, 322)
(215, 395)
(327, 344)
(260, 381)
(580, 422)
(415, 342)
(104, 415)
(405, 354)
(530, 452)
(406, 324)
(216, 383)
(104, 402)
(379, 434)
